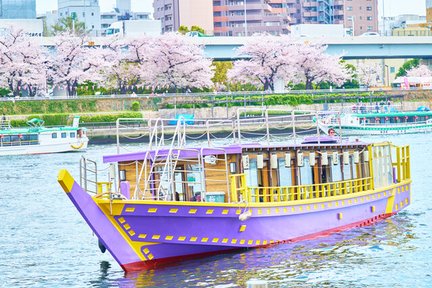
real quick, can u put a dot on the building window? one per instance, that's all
(63, 135)
(54, 135)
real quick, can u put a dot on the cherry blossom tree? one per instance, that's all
(113, 69)
(368, 74)
(280, 57)
(420, 71)
(312, 66)
(72, 62)
(174, 61)
(270, 58)
(21, 63)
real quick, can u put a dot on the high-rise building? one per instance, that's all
(17, 9)
(87, 11)
(176, 13)
(357, 16)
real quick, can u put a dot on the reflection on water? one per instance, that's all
(45, 242)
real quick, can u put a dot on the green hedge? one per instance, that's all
(109, 117)
(276, 99)
(47, 106)
(66, 119)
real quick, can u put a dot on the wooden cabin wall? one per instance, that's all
(220, 175)
(132, 170)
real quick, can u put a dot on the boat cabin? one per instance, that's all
(255, 173)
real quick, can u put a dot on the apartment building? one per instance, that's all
(176, 13)
(246, 17)
(224, 17)
(357, 16)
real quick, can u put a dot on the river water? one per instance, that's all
(44, 242)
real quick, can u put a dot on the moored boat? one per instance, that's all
(169, 203)
(376, 121)
(38, 139)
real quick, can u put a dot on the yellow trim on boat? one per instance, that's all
(65, 180)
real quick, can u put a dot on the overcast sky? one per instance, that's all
(392, 7)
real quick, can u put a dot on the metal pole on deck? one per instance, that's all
(293, 123)
(208, 132)
(318, 129)
(267, 126)
(118, 136)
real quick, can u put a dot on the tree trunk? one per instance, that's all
(309, 84)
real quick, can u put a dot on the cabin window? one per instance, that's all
(233, 167)
(251, 174)
(54, 135)
(336, 172)
(15, 140)
(305, 173)
(122, 175)
(63, 135)
(382, 166)
(72, 135)
(285, 176)
(6, 140)
(33, 139)
(347, 171)
(194, 180)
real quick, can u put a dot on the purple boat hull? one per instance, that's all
(146, 234)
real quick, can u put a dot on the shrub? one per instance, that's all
(135, 106)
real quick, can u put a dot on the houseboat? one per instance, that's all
(38, 139)
(377, 122)
(172, 201)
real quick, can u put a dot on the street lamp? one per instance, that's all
(388, 74)
(245, 17)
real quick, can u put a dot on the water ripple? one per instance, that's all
(45, 243)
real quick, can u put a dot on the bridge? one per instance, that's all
(368, 47)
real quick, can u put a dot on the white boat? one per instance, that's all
(38, 139)
(377, 123)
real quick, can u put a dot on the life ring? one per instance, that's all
(77, 146)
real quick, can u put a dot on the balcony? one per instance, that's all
(220, 8)
(258, 6)
(220, 19)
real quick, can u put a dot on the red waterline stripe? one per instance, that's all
(152, 264)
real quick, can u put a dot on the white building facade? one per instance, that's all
(87, 11)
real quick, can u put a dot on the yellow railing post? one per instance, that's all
(398, 163)
(408, 163)
(233, 188)
(371, 150)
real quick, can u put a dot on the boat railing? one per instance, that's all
(5, 125)
(366, 108)
(260, 124)
(89, 176)
(250, 194)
